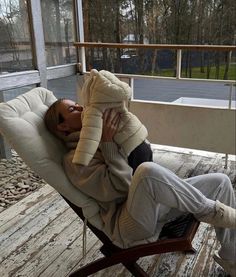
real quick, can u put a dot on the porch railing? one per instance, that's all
(177, 47)
(222, 118)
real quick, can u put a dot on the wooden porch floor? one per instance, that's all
(41, 236)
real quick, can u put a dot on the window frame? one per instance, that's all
(41, 73)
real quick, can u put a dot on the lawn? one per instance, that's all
(196, 73)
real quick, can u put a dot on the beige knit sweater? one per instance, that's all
(107, 179)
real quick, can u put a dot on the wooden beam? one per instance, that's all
(61, 71)
(80, 33)
(38, 42)
(5, 150)
(19, 79)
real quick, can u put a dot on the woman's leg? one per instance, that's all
(142, 153)
(217, 186)
(155, 190)
(161, 186)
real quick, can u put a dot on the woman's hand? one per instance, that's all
(111, 120)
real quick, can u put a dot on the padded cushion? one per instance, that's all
(21, 123)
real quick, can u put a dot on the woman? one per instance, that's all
(134, 209)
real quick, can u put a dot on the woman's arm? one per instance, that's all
(103, 179)
(116, 162)
(108, 176)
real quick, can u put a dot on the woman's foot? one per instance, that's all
(224, 216)
(228, 266)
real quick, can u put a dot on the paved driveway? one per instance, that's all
(170, 90)
(154, 89)
(150, 89)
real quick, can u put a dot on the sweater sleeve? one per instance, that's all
(117, 162)
(106, 178)
(90, 136)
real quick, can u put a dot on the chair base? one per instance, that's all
(175, 236)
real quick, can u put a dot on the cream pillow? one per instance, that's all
(21, 123)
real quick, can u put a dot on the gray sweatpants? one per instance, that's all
(157, 195)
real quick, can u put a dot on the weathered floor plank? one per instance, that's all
(22, 208)
(29, 228)
(25, 252)
(41, 236)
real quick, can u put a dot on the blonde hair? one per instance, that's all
(52, 118)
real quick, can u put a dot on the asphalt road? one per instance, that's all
(154, 89)
(171, 90)
(144, 89)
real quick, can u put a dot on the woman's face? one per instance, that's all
(71, 113)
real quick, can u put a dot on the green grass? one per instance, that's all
(196, 73)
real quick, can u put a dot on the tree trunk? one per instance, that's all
(139, 34)
(154, 60)
(118, 65)
(58, 47)
(227, 64)
(202, 67)
(208, 65)
(217, 64)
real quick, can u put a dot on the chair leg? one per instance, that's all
(92, 267)
(108, 250)
(106, 262)
(191, 251)
(110, 259)
(132, 266)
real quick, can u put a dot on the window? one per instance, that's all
(15, 42)
(58, 25)
(64, 87)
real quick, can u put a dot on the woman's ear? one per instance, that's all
(63, 127)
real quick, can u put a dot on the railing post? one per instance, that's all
(80, 31)
(230, 95)
(131, 83)
(178, 63)
(5, 150)
(230, 106)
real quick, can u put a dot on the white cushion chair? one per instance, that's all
(21, 123)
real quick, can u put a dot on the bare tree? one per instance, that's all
(163, 21)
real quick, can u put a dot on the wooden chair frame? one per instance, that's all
(181, 238)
